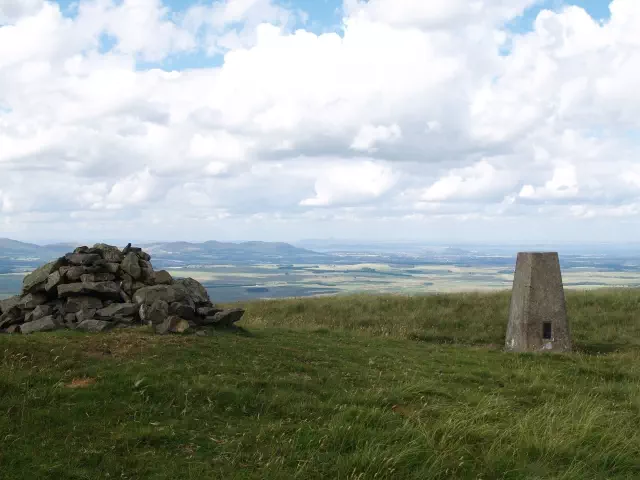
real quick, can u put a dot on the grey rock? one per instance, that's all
(147, 276)
(53, 281)
(85, 314)
(144, 256)
(75, 304)
(112, 267)
(226, 318)
(125, 297)
(194, 289)
(126, 320)
(69, 318)
(172, 324)
(37, 279)
(155, 313)
(181, 310)
(209, 311)
(127, 283)
(94, 326)
(9, 318)
(83, 259)
(118, 309)
(109, 252)
(39, 312)
(131, 265)
(103, 290)
(162, 277)
(82, 249)
(168, 293)
(45, 324)
(9, 304)
(97, 277)
(73, 274)
(32, 300)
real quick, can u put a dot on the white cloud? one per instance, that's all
(368, 136)
(349, 183)
(475, 182)
(451, 127)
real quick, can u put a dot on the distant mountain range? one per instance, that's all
(15, 254)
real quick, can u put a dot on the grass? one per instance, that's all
(355, 387)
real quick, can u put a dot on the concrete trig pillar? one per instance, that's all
(538, 315)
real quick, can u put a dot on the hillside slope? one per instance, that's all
(343, 387)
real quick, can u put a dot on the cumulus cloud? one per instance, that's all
(411, 112)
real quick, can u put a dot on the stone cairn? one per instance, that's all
(99, 288)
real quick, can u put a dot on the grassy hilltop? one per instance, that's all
(347, 387)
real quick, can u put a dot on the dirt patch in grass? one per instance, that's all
(81, 382)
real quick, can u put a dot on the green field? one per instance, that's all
(342, 387)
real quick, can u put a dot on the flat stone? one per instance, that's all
(37, 279)
(53, 281)
(168, 293)
(97, 277)
(82, 259)
(131, 265)
(225, 318)
(45, 324)
(103, 290)
(126, 320)
(118, 309)
(32, 300)
(75, 304)
(162, 277)
(94, 326)
(112, 267)
(537, 314)
(69, 318)
(73, 274)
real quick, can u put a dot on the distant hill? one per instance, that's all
(21, 256)
(172, 253)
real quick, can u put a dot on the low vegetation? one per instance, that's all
(345, 387)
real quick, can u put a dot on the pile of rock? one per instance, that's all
(95, 289)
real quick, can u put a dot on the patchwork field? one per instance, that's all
(229, 283)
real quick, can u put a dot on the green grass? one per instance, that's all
(355, 387)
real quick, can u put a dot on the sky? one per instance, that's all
(449, 120)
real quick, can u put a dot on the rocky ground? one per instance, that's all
(102, 287)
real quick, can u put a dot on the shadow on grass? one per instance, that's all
(600, 348)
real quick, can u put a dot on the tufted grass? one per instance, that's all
(346, 387)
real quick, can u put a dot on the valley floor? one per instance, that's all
(350, 387)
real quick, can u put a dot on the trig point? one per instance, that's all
(538, 316)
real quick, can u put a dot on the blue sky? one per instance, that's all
(326, 16)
